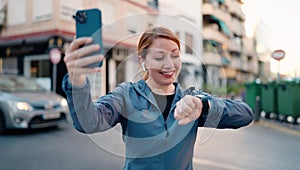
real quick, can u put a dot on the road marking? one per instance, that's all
(215, 164)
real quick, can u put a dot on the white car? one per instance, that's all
(25, 104)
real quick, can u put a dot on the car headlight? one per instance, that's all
(24, 106)
(64, 103)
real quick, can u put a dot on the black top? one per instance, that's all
(164, 103)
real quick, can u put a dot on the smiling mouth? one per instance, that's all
(167, 74)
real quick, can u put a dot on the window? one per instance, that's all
(153, 4)
(209, 45)
(10, 65)
(213, 46)
(188, 43)
(40, 68)
(42, 10)
(16, 12)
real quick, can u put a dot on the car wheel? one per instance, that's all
(2, 123)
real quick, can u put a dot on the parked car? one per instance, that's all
(25, 104)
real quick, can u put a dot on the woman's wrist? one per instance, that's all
(77, 82)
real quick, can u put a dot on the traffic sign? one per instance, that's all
(55, 55)
(278, 54)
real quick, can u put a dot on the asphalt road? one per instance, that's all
(260, 146)
(54, 149)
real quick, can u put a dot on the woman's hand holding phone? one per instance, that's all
(76, 60)
(84, 55)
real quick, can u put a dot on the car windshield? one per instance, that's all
(18, 83)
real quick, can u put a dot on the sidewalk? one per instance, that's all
(281, 126)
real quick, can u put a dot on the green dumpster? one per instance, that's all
(288, 99)
(269, 98)
(253, 89)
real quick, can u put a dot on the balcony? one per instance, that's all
(234, 45)
(212, 32)
(209, 9)
(234, 7)
(211, 58)
(249, 47)
(237, 63)
(251, 65)
(228, 72)
(237, 27)
(216, 23)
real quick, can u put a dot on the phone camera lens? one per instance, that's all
(82, 17)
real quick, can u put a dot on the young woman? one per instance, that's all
(159, 118)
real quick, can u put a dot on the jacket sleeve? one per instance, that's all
(88, 116)
(225, 113)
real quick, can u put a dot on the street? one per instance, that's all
(260, 146)
(53, 149)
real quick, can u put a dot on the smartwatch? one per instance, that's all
(205, 104)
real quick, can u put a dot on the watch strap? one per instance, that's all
(205, 104)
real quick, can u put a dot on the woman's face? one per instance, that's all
(163, 62)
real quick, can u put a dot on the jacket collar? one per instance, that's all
(143, 88)
(145, 91)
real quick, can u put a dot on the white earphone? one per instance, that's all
(143, 66)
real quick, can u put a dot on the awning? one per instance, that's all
(220, 1)
(213, 42)
(225, 61)
(223, 26)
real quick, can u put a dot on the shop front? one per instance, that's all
(30, 55)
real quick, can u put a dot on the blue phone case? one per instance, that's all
(89, 24)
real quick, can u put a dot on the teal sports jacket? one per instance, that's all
(150, 141)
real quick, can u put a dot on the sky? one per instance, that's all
(281, 17)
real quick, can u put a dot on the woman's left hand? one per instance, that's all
(188, 109)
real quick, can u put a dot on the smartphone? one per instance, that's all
(89, 24)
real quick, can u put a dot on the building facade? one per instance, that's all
(33, 28)
(229, 57)
(187, 23)
(262, 36)
(214, 48)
